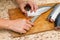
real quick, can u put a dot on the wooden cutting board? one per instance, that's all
(40, 25)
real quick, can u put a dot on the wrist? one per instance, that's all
(4, 24)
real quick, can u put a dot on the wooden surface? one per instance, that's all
(40, 25)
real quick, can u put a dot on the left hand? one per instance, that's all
(23, 3)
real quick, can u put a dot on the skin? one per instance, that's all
(19, 25)
(23, 3)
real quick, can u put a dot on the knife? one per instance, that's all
(42, 11)
(39, 11)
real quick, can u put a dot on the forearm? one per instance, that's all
(4, 23)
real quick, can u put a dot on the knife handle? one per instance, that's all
(57, 22)
(54, 13)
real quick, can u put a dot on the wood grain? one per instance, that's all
(40, 25)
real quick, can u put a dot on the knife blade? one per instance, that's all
(39, 12)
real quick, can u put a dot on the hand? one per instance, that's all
(20, 25)
(23, 3)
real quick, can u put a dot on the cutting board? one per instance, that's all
(40, 25)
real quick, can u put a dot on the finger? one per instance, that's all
(35, 7)
(21, 30)
(31, 6)
(29, 25)
(29, 22)
(23, 10)
(26, 27)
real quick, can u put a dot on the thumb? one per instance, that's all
(23, 9)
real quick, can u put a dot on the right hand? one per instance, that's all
(20, 25)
